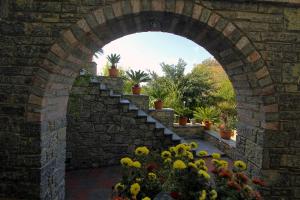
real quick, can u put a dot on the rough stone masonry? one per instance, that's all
(44, 44)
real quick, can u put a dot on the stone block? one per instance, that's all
(291, 16)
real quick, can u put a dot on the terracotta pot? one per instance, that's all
(158, 104)
(136, 90)
(226, 134)
(113, 72)
(207, 125)
(183, 121)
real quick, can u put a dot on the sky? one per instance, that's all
(145, 51)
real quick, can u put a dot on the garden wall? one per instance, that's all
(100, 130)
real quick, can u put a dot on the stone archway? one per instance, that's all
(243, 61)
(222, 38)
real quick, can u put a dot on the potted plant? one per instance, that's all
(137, 77)
(183, 112)
(208, 115)
(113, 59)
(159, 94)
(227, 127)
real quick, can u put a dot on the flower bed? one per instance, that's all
(179, 174)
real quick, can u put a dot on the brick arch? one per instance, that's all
(223, 39)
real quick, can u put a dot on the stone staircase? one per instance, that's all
(140, 114)
(103, 126)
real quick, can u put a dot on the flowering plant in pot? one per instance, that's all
(176, 173)
(182, 113)
(113, 60)
(208, 115)
(227, 126)
(137, 77)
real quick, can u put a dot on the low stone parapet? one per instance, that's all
(226, 146)
(112, 83)
(165, 116)
(189, 131)
(141, 101)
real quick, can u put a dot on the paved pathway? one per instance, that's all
(91, 184)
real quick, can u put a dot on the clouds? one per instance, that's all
(147, 50)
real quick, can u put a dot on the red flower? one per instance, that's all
(242, 177)
(175, 195)
(225, 173)
(117, 198)
(214, 170)
(258, 181)
(234, 185)
(257, 195)
(152, 167)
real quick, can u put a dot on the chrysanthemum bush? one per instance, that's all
(181, 175)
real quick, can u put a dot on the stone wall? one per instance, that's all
(43, 44)
(165, 116)
(100, 130)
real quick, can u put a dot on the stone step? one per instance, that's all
(103, 87)
(124, 101)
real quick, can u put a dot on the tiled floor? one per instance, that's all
(91, 184)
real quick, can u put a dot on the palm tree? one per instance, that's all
(113, 59)
(137, 77)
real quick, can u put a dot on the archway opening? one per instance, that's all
(226, 42)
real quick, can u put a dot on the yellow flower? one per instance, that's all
(166, 154)
(136, 164)
(119, 187)
(152, 176)
(146, 198)
(224, 163)
(179, 164)
(187, 147)
(203, 167)
(127, 162)
(200, 162)
(216, 162)
(240, 165)
(141, 151)
(216, 155)
(167, 161)
(202, 153)
(213, 194)
(203, 195)
(204, 174)
(190, 155)
(135, 189)
(180, 150)
(192, 165)
(193, 145)
(172, 149)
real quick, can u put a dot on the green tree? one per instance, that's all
(174, 72)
